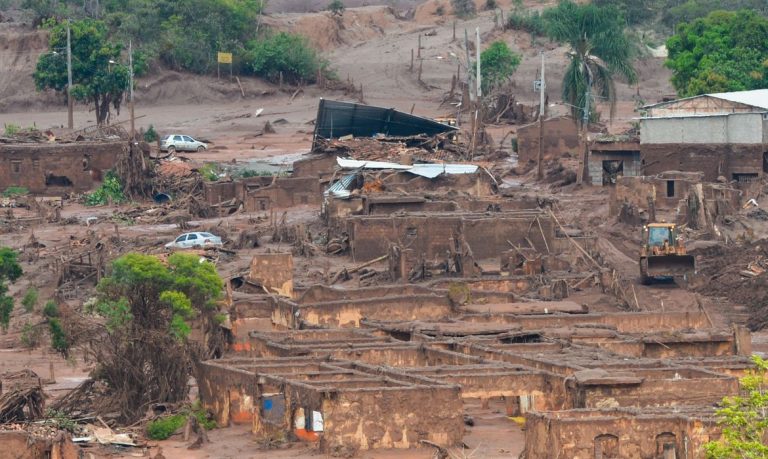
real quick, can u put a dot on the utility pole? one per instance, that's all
(469, 66)
(130, 65)
(542, 108)
(70, 102)
(580, 175)
(477, 53)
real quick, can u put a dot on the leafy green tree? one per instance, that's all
(677, 11)
(600, 50)
(725, 51)
(635, 12)
(744, 419)
(287, 53)
(148, 306)
(10, 270)
(95, 79)
(336, 7)
(497, 64)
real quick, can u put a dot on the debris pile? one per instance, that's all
(440, 147)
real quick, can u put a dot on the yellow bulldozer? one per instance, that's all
(663, 254)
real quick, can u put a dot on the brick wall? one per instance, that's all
(57, 167)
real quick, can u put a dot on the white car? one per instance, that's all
(177, 142)
(195, 240)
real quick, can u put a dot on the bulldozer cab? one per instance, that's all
(657, 234)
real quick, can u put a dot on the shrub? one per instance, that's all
(284, 53)
(210, 172)
(151, 134)
(161, 429)
(491, 4)
(464, 8)
(497, 64)
(336, 7)
(531, 22)
(30, 336)
(110, 191)
(440, 10)
(11, 129)
(12, 191)
(59, 339)
(6, 307)
(51, 309)
(30, 299)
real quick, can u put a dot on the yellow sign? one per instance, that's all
(225, 58)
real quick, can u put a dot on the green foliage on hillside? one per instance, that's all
(184, 35)
(283, 53)
(723, 52)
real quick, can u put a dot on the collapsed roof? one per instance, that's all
(337, 119)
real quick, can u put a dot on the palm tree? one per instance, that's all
(599, 50)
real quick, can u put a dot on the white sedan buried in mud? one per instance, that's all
(195, 241)
(175, 142)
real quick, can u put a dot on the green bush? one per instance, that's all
(210, 172)
(51, 309)
(30, 299)
(12, 191)
(110, 191)
(151, 134)
(30, 336)
(336, 7)
(285, 53)
(497, 64)
(6, 308)
(530, 21)
(59, 339)
(464, 8)
(11, 129)
(161, 429)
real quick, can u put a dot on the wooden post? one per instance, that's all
(454, 31)
(421, 63)
(413, 107)
(418, 51)
(411, 61)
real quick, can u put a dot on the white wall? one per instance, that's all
(736, 128)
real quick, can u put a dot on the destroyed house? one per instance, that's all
(338, 119)
(57, 168)
(723, 134)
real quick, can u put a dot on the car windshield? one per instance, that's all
(657, 236)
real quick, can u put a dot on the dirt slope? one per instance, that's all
(20, 48)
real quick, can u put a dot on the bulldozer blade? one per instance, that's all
(671, 265)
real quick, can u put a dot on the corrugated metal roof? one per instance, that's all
(424, 170)
(340, 189)
(336, 119)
